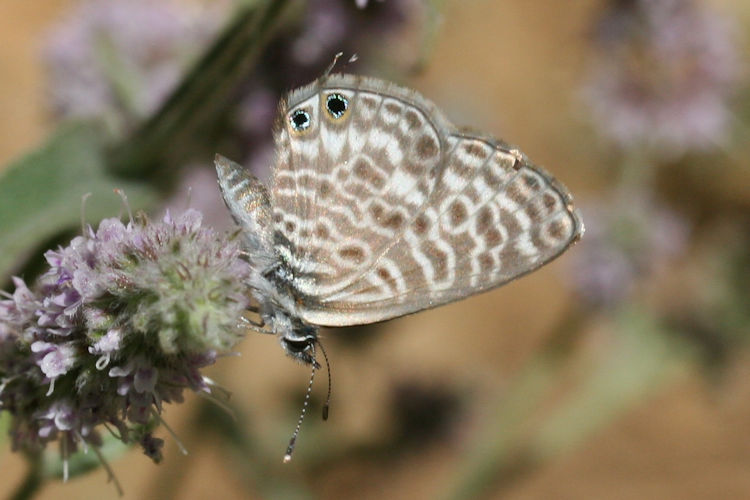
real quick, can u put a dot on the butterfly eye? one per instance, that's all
(300, 120)
(336, 105)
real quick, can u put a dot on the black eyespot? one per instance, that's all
(300, 120)
(336, 105)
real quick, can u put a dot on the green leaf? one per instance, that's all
(41, 194)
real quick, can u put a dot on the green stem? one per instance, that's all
(637, 170)
(493, 456)
(431, 29)
(168, 137)
(33, 480)
(738, 152)
(642, 358)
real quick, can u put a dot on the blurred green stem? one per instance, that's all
(492, 452)
(171, 134)
(123, 78)
(33, 480)
(738, 152)
(243, 455)
(431, 29)
(637, 170)
(640, 359)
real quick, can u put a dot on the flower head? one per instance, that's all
(121, 323)
(121, 58)
(628, 236)
(663, 75)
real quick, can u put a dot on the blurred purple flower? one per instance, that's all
(628, 236)
(18, 311)
(54, 359)
(663, 75)
(121, 323)
(302, 52)
(120, 59)
(331, 26)
(362, 4)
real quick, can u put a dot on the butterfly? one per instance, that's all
(380, 207)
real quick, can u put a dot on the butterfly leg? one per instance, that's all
(256, 326)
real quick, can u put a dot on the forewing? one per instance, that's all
(392, 210)
(345, 188)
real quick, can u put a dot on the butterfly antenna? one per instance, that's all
(328, 369)
(293, 441)
(333, 63)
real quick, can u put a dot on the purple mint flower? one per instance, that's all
(120, 59)
(137, 382)
(629, 236)
(121, 323)
(60, 416)
(109, 343)
(54, 359)
(663, 76)
(137, 378)
(23, 298)
(17, 311)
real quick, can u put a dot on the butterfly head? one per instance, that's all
(298, 339)
(301, 349)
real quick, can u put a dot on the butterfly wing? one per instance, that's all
(249, 204)
(343, 188)
(393, 210)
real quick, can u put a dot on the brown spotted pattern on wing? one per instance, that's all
(345, 188)
(389, 209)
(487, 221)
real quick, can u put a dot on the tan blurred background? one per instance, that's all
(507, 67)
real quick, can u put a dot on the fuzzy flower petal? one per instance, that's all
(120, 59)
(663, 75)
(120, 324)
(55, 359)
(629, 236)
